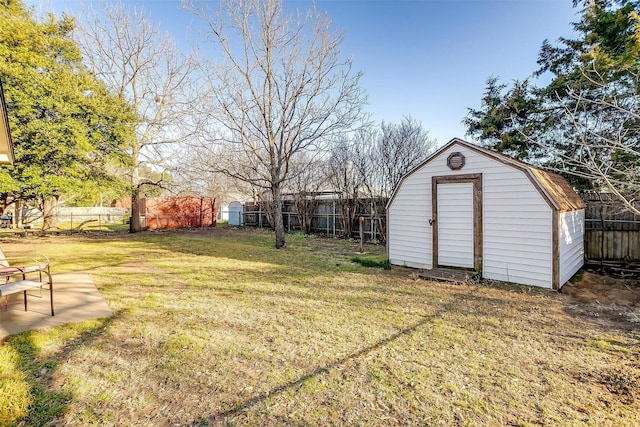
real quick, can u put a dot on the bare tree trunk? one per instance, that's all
(278, 221)
(135, 225)
(17, 217)
(305, 205)
(50, 220)
(347, 208)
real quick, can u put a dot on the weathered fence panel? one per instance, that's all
(612, 232)
(178, 212)
(326, 219)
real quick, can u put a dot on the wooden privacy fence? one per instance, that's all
(612, 232)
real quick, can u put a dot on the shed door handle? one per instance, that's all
(431, 221)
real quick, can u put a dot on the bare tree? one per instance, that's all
(282, 89)
(386, 157)
(140, 63)
(192, 177)
(605, 131)
(305, 187)
(402, 147)
(344, 176)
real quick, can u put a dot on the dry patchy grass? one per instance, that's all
(219, 328)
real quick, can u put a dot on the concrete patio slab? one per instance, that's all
(75, 298)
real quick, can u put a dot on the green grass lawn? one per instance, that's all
(217, 327)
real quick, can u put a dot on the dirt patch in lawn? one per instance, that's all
(605, 298)
(600, 289)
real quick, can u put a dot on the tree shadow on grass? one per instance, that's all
(46, 403)
(225, 414)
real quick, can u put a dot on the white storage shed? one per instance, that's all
(235, 213)
(471, 208)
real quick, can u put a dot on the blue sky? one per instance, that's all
(425, 58)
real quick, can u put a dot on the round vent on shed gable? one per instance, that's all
(455, 161)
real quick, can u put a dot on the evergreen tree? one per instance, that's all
(585, 120)
(67, 128)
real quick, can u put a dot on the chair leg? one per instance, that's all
(25, 300)
(51, 294)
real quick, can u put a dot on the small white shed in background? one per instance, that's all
(235, 213)
(471, 208)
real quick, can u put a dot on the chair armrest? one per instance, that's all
(38, 262)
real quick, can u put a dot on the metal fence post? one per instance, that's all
(327, 225)
(334, 218)
(361, 229)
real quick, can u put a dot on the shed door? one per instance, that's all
(455, 225)
(457, 221)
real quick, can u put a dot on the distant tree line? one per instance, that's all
(105, 104)
(365, 167)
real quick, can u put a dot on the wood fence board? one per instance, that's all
(612, 232)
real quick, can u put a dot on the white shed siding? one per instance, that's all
(517, 221)
(571, 244)
(410, 238)
(517, 236)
